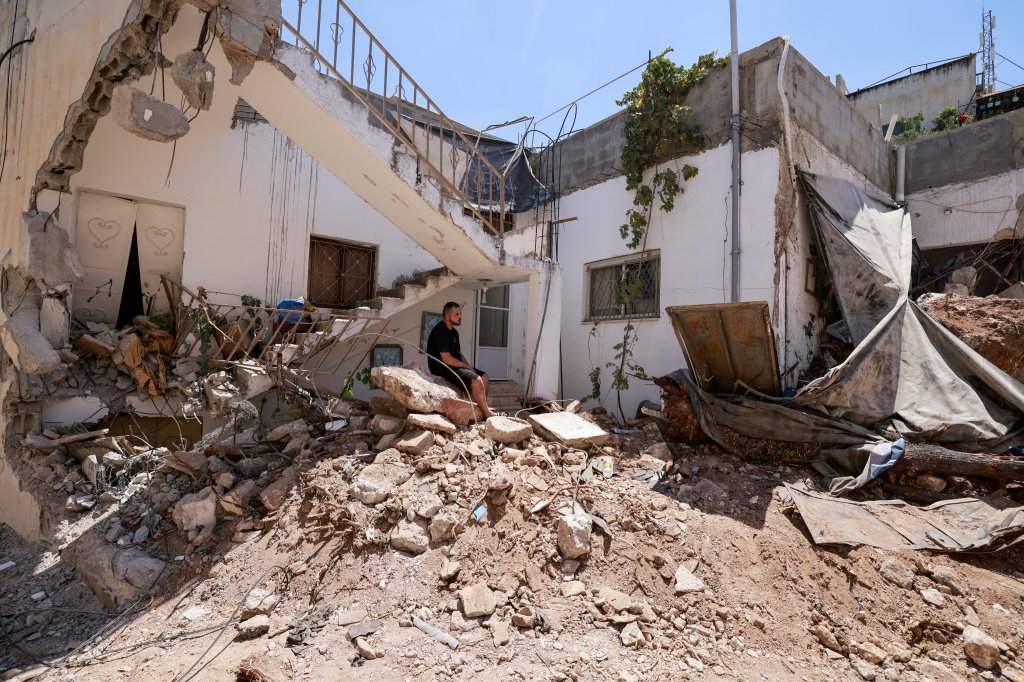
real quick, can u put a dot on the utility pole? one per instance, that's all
(988, 52)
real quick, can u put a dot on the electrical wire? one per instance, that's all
(1010, 60)
(7, 97)
(600, 87)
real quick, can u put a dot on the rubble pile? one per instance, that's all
(991, 326)
(403, 543)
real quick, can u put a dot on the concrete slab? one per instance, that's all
(569, 429)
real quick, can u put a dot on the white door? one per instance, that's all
(104, 237)
(492, 332)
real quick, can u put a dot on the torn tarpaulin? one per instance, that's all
(948, 526)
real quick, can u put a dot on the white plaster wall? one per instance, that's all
(695, 263)
(252, 198)
(979, 211)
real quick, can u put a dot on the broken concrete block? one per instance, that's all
(954, 288)
(147, 116)
(259, 603)
(90, 345)
(274, 494)
(477, 600)
(1014, 291)
(28, 349)
(431, 422)
(382, 424)
(221, 392)
(251, 628)
(236, 500)
(117, 576)
(507, 430)
(410, 536)
(446, 524)
(252, 378)
(51, 257)
(378, 480)
(388, 406)
(194, 77)
(573, 535)
(195, 511)
(631, 636)
(288, 431)
(247, 32)
(569, 429)
(967, 276)
(982, 649)
(54, 321)
(415, 443)
(91, 468)
(687, 581)
(408, 387)
(459, 411)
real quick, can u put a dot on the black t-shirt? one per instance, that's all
(442, 340)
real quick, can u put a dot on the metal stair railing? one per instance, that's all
(444, 149)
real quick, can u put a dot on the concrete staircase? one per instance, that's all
(503, 395)
(420, 287)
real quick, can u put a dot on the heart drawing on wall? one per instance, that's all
(161, 238)
(103, 231)
(86, 315)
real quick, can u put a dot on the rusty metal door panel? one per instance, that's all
(728, 345)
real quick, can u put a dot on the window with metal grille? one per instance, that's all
(624, 287)
(341, 274)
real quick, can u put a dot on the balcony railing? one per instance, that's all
(343, 48)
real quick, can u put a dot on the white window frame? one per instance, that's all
(652, 255)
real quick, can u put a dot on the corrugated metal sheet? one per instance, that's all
(728, 346)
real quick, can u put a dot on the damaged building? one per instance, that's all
(230, 226)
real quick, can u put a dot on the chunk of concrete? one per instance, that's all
(687, 581)
(117, 576)
(410, 388)
(477, 600)
(236, 500)
(507, 430)
(54, 321)
(573, 535)
(197, 510)
(251, 628)
(569, 429)
(28, 349)
(982, 649)
(431, 422)
(252, 378)
(379, 480)
(446, 524)
(382, 424)
(415, 443)
(411, 537)
(194, 76)
(51, 258)
(288, 431)
(147, 116)
(273, 495)
(1013, 291)
(388, 406)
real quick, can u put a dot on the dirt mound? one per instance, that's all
(992, 326)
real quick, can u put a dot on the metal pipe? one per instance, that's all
(901, 170)
(734, 62)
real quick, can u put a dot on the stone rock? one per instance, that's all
(117, 576)
(573, 535)
(871, 653)
(569, 429)
(477, 600)
(415, 443)
(967, 276)
(507, 430)
(273, 495)
(114, 460)
(573, 588)
(982, 649)
(1013, 291)
(446, 524)
(617, 600)
(225, 480)
(366, 650)
(863, 668)
(259, 603)
(826, 638)
(194, 76)
(411, 389)
(349, 617)
(499, 477)
(147, 116)
(221, 392)
(661, 451)
(631, 636)
(935, 484)
(383, 424)
(28, 349)
(91, 468)
(296, 445)
(954, 288)
(933, 597)
(411, 537)
(450, 569)
(525, 617)
(501, 633)
(459, 411)
(431, 422)
(140, 535)
(686, 581)
(253, 627)
(236, 500)
(364, 628)
(379, 480)
(892, 571)
(944, 575)
(197, 510)
(288, 431)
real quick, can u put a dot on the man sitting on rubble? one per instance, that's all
(444, 358)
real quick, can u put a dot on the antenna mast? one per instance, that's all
(988, 52)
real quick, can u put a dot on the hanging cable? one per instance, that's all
(7, 97)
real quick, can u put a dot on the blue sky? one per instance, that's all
(487, 62)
